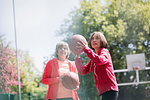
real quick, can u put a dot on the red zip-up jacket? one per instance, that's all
(51, 78)
(102, 68)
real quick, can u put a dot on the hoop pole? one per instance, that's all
(14, 17)
(137, 76)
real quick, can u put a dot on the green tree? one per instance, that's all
(30, 77)
(126, 25)
(135, 13)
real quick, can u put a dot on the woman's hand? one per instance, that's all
(80, 46)
(61, 77)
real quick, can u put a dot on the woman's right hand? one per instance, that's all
(80, 46)
(61, 77)
(76, 55)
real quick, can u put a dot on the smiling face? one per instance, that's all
(95, 41)
(62, 50)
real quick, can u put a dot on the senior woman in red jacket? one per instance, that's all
(100, 64)
(54, 71)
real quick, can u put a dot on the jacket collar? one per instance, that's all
(100, 50)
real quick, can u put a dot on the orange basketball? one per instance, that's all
(70, 80)
(73, 43)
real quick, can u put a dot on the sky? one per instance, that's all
(36, 24)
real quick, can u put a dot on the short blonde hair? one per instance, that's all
(60, 45)
(103, 41)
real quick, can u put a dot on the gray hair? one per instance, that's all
(60, 45)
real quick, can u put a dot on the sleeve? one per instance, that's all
(75, 71)
(83, 69)
(47, 79)
(101, 59)
(74, 67)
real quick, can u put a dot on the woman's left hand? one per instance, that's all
(80, 46)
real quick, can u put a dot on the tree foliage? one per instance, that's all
(8, 71)
(30, 77)
(126, 25)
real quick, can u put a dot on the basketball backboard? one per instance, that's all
(135, 61)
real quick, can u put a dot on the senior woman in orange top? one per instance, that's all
(53, 72)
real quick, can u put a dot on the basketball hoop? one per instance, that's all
(135, 61)
(136, 68)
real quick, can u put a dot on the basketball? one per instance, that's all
(73, 43)
(70, 80)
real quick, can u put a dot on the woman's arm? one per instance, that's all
(47, 79)
(74, 69)
(82, 69)
(101, 59)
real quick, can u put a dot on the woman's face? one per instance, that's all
(62, 52)
(95, 41)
